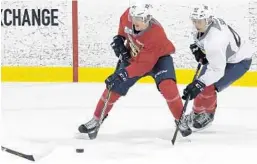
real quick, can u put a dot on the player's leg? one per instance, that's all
(165, 78)
(205, 103)
(116, 93)
(204, 108)
(233, 72)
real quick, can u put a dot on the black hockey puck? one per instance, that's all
(79, 150)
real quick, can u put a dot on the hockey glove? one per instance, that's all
(199, 54)
(117, 78)
(119, 48)
(193, 89)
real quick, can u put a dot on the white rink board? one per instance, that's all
(38, 45)
(101, 26)
(98, 23)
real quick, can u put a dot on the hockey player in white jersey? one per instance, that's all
(225, 57)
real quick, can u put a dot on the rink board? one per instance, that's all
(65, 74)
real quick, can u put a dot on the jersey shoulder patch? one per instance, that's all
(217, 23)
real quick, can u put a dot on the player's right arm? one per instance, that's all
(118, 46)
(123, 19)
(215, 48)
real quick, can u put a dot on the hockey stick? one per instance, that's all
(26, 156)
(185, 105)
(100, 121)
(107, 99)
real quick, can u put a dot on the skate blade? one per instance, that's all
(85, 136)
(200, 129)
(81, 136)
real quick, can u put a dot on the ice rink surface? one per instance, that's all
(42, 119)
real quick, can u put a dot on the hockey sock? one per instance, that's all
(169, 90)
(206, 101)
(113, 98)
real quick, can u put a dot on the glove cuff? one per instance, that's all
(120, 38)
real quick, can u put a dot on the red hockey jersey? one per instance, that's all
(146, 47)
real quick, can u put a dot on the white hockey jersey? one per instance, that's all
(222, 45)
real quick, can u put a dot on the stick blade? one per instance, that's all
(19, 154)
(174, 136)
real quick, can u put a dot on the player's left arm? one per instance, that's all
(154, 46)
(145, 61)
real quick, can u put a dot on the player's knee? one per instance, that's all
(208, 92)
(206, 101)
(169, 90)
(113, 97)
(121, 90)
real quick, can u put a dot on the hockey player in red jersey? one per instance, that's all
(225, 57)
(144, 49)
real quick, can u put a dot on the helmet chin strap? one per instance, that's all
(208, 23)
(148, 19)
(146, 22)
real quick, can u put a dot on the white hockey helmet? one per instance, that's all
(201, 11)
(141, 11)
